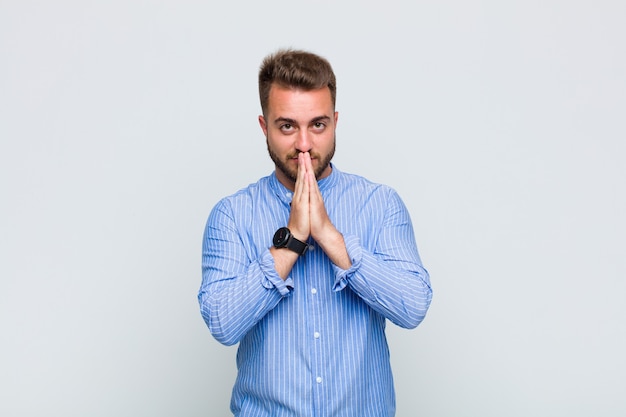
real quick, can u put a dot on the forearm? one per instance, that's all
(334, 246)
(231, 304)
(239, 286)
(399, 290)
(284, 260)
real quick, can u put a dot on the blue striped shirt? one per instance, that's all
(313, 344)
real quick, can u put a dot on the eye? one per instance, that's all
(287, 127)
(319, 126)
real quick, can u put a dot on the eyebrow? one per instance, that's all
(284, 119)
(294, 122)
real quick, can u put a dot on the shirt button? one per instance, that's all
(316, 335)
(318, 379)
(311, 248)
(313, 290)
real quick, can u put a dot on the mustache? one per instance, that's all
(295, 155)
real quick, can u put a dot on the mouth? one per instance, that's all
(295, 157)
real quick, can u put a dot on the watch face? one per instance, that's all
(281, 237)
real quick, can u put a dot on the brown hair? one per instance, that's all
(295, 69)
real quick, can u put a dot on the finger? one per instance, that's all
(299, 222)
(310, 173)
(306, 187)
(300, 179)
(308, 163)
(311, 179)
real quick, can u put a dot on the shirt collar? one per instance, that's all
(331, 180)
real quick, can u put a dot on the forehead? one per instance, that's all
(291, 102)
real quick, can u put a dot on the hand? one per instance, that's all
(309, 217)
(320, 223)
(299, 217)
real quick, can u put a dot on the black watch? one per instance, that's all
(284, 239)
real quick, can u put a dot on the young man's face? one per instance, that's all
(299, 121)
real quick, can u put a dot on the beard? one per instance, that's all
(292, 174)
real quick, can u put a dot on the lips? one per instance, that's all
(313, 156)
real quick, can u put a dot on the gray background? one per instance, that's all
(501, 124)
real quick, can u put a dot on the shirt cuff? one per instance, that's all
(270, 278)
(355, 253)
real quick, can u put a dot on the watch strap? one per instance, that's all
(296, 245)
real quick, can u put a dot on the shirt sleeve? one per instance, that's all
(236, 291)
(390, 277)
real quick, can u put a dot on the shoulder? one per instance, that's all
(250, 191)
(360, 184)
(361, 193)
(243, 197)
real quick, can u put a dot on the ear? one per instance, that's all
(336, 118)
(263, 125)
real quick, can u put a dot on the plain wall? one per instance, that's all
(500, 123)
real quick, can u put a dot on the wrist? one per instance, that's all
(284, 239)
(329, 236)
(296, 233)
(334, 246)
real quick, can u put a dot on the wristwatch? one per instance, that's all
(284, 239)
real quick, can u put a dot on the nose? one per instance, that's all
(303, 141)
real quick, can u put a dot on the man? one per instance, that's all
(304, 267)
